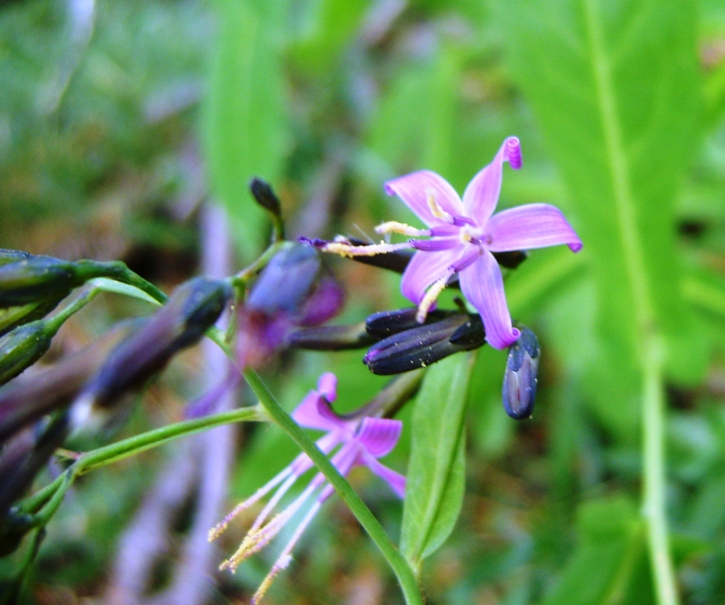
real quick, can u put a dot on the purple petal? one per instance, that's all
(327, 386)
(481, 195)
(436, 244)
(414, 190)
(530, 226)
(424, 269)
(315, 413)
(482, 285)
(395, 480)
(379, 435)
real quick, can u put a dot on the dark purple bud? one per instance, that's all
(386, 323)
(519, 380)
(511, 260)
(330, 338)
(418, 347)
(470, 333)
(286, 282)
(265, 196)
(190, 312)
(25, 456)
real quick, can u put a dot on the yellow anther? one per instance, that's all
(435, 208)
(402, 228)
(429, 299)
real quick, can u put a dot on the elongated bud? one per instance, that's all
(190, 312)
(35, 279)
(331, 338)
(265, 196)
(286, 282)
(386, 323)
(519, 380)
(12, 317)
(30, 397)
(12, 256)
(23, 346)
(422, 346)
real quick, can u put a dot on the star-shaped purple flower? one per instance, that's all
(360, 441)
(463, 234)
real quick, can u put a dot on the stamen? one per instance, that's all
(286, 557)
(402, 228)
(430, 297)
(219, 528)
(436, 209)
(435, 245)
(349, 250)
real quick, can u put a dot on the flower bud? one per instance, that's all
(30, 397)
(286, 282)
(12, 256)
(12, 317)
(330, 338)
(35, 279)
(23, 346)
(519, 381)
(386, 323)
(422, 346)
(265, 196)
(189, 313)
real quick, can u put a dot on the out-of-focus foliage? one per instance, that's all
(117, 118)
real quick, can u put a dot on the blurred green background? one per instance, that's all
(120, 120)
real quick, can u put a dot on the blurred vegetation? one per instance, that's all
(119, 119)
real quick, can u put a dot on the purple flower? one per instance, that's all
(462, 235)
(358, 441)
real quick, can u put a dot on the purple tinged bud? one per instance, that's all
(181, 323)
(421, 346)
(387, 323)
(330, 338)
(324, 303)
(520, 377)
(286, 282)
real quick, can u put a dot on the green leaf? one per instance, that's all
(244, 114)
(604, 568)
(110, 285)
(436, 474)
(614, 87)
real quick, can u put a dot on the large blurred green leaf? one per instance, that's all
(244, 121)
(614, 87)
(436, 474)
(604, 567)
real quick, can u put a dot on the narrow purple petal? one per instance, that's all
(395, 480)
(530, 226)
(482, 285)
(315, 413)
(327, 386)
(481, 195)
(414, 189)
(424, 269)
(379, 435)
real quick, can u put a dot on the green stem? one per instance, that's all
(654, 504)
(241, 279)
(397, 562)
(133, 445)
(140, 443)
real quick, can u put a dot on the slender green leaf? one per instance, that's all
(244, 119)
(436, 474)
(614, 86)
(110, 285)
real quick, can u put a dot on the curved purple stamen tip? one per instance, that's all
(315, 242)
